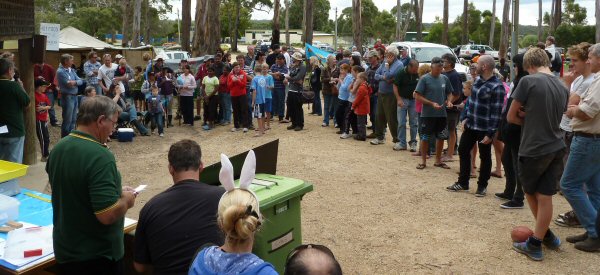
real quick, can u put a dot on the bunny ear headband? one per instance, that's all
(246, 177)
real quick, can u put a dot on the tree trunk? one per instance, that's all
(186, 22)
(308, 23)
(445, 31)
(126, 7)
(557, 14)
(147, 22)
(540, 30)
(357, 24)
(505, 30)
(213, 26)
(199, 34)
(137, 16)
(236, 25)
(597, 21)
(399, 20)
(465, 28)
(418, 6)
(276, 33)
(287, 22)
(406, 25)
(493, 26)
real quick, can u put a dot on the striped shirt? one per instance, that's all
(485, 105)
(279, 69)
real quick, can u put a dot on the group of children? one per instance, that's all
(354, 94)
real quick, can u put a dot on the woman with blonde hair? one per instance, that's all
(315, 85)
(239, 218)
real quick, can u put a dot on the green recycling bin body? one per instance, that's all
(281, 230)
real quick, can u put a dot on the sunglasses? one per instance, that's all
(299, 248)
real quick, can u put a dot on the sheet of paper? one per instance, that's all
(140, 188)
(3, 129)
(25, 238)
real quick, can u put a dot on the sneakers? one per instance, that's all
(345, 136)
(457, 188)
(245, 130)
(161, 135)
(503, 196)
(291, 127)
(589, 245)
(206, 127)
(324, 125)
(511, 205)
(298, 128)
(531, 251)
(234, 129)
(44, 159)
(481, 192)
(372, 135)
(413, 147)
(577, 238)
(398, 147)
(377, 141)
(552, 243)
(568, 219)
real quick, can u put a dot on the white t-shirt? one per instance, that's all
(287, 57)
(107, 74)
(579, 86)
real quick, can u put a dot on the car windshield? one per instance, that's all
(424, 55)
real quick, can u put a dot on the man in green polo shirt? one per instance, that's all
(13, 101)
(88, 201)
(405, 83)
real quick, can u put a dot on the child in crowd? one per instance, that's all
(361, 105)
(155, 110)
(225, 96)
(268, 96)
(236, 83)
(350, 116)
(89, 92)
(136, 88)
(146, 88)
(42, 105)
(210, 86)
(344, 95)
(259, 90)
(467, 87)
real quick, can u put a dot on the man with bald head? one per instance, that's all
(312, 259)
(482, 120)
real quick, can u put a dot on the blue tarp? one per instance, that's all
(314, 51)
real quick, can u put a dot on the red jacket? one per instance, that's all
(41, 100)
(361, 104)
(237, 88)
(202, 72)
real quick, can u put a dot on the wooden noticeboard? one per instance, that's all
(17, 19)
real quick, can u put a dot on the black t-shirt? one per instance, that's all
(271, 59)
(457, 87)
(175, 223)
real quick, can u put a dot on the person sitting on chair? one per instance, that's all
(129, 113)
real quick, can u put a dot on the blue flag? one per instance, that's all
(314, 51)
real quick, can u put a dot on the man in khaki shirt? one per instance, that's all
(582, 165)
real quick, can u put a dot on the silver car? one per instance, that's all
(424, 52)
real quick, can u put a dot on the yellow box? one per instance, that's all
(11, 170)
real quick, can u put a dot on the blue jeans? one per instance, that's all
(335, 101)
(11, 149)
(328, 108)
(69, 113)
(582, 172)
(317, 102)
(408, 109)
(226, 101)
(279, 102)
(373, 111)
(159, 120)
(98, 89)
(51, 112)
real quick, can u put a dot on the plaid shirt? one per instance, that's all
(279, 69)
(89, 68)
(485, 105)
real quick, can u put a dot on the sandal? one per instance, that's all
(441, 165)
(421, 166)
(258, 134)
(447, 159)
(496, 175)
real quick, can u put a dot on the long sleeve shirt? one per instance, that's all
(485, 104)
(188, 86)
(64, 76)
(344, 89)
(296, 80)
(237, 83)
(88, 69)
(386, 76)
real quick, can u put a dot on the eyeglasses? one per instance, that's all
(299, 248)
(113, 121)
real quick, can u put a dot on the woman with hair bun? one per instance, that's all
(239, 218)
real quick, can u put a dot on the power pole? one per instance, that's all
(515, 36)
(178, 28)
(336, 34)
(398, 20)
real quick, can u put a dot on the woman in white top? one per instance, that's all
(186, 96)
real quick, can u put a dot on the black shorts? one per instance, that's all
(452, 120)
(138, 95)
(541, 174)
(433, 127)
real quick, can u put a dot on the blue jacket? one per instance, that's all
(386, 86)
(213, 261)
(64, 76)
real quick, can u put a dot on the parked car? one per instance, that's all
(174, 55)
(424, 52)
(264, 46)
(472, 50)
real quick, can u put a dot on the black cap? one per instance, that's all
(436, 60)
(40, 82)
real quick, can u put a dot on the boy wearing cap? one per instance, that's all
(42, 105)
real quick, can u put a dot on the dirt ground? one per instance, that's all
(377, 213)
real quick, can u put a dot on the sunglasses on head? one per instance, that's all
(299, 248)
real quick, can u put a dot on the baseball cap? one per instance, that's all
(118, 56)
(40, 82)
(373, 54)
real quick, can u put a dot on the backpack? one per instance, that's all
(556, 62)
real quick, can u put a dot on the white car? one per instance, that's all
(424, 52)
(472, 50)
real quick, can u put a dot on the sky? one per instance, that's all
(528, 12)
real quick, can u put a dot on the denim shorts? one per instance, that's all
(268, 105)
(541, 174)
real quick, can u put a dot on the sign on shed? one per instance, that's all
(52, 32)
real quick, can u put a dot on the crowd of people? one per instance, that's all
(543, 129)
